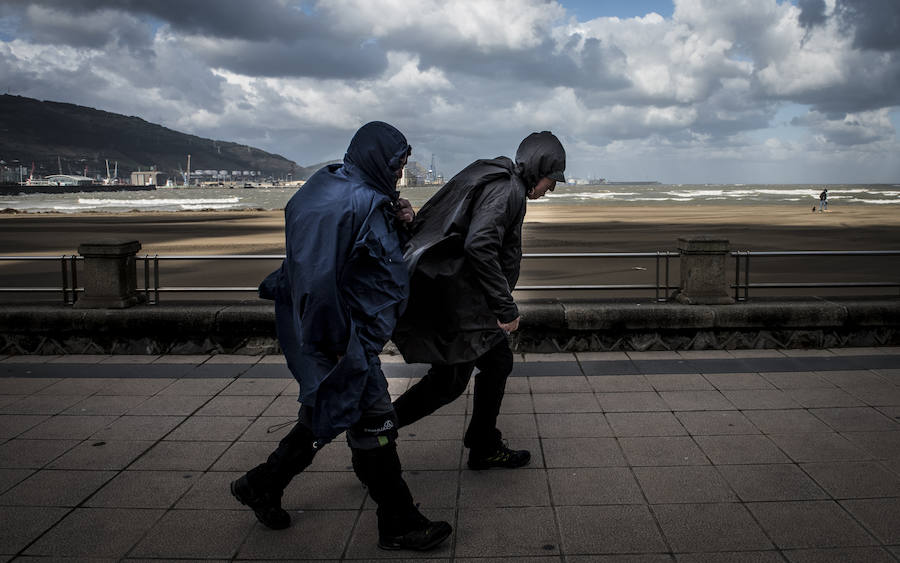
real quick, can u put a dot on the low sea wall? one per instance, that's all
(6, 189)
(547, 326)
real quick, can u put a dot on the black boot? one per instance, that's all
(400, 524)
(265, 504)
(497, 456)
(261, 488)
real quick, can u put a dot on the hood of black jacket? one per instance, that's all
(376, 152)
(538, 156)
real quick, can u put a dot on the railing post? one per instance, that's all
(110, 274)
(703, 264)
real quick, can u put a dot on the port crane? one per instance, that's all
(114, 179)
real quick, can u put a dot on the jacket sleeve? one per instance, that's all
(491, 219)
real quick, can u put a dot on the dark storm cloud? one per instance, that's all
(812, 12)
(230, 19)
(271, 38)
(304, 57)
(876, 23)
(578, 63)
(847, 130)
(46, 25)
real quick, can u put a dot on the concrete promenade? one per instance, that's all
(709, 456)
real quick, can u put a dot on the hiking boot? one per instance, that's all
(423, 538)
(499, 456)
(266, 506)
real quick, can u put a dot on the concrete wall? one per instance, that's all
(547, 326)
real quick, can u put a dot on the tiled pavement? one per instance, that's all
(642, 457)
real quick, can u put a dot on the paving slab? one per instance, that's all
(791, 421)
(880, 515)
(716, 423)
(818, 447)
(56, 488)
(710, 527)
(840, 555)
(594, 486)
(95, 454)
(609, 529)
(809, 524)
(175, 534)
(854, 479)
(878, 445)
(507, 532)
(574, 425)
(725, 450)
(856, 419)
(32, 454)
(771, 482)
(95, 532)
(690, 484)
(583, 452)
(144, 489)
(737, 381)
(669, 450)
(11, 477)
(527, 487)
(645, 424)
(22, 525)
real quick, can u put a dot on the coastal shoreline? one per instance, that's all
(548, 228)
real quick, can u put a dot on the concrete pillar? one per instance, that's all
(703, 264)
(109, 274)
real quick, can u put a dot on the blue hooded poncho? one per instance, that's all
(343, 283)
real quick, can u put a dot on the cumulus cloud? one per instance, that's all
(678, 97)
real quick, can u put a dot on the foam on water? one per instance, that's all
(154, 202)
(605, 194)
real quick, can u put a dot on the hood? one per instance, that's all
(377, 151)
(540, 155)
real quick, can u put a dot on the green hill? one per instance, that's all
(52, 133)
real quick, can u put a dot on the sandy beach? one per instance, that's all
(548, 228)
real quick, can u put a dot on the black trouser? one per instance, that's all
(444, 383)
(375, 462)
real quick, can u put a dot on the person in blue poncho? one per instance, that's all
(337, 296)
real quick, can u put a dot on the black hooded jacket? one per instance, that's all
(464, 256)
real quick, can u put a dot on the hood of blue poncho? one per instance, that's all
(377, 152)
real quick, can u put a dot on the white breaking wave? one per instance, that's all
(700, 193)
(590, 195)
(202, 206)
(154, 202)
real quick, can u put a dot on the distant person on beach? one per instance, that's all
(337, 297)
(464, 261)
(823, 200)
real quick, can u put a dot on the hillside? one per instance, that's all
(52, 133)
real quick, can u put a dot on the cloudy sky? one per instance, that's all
(690, 91)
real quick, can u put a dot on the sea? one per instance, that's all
(238, 199)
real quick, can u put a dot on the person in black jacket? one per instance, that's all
(464, 258)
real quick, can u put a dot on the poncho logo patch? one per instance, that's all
(388, 424)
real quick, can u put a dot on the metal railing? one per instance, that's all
(69, 274)
(662, 287)
(745, 255)
(151, 273)
(152, 287)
